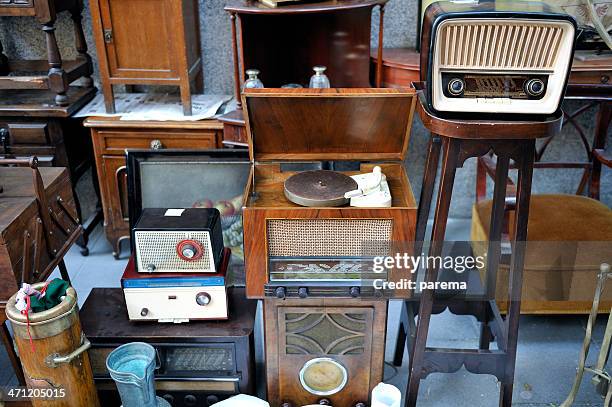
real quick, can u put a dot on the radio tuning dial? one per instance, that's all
(534, 87)
(150, 268)
(456, 86)
(303, 292)
(280, 292)
(203, 298)
(144, 312)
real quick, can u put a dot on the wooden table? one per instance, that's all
(456, 141)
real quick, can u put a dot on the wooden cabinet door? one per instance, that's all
(114, 180)
(141, 37)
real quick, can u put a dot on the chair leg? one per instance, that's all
(81, 44)
(450, 156)
(57, 76)
(524, 161)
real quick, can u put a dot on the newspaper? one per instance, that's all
(159, 107)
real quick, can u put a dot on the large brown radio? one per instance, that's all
(324, 349)
(312, 251)
(498, 57)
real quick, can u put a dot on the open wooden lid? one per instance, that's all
(328, 124)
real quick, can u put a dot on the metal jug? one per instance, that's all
(132, 367)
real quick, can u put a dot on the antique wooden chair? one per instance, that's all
(568, 233)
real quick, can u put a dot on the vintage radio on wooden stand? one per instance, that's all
(497, 57)
(304, 238)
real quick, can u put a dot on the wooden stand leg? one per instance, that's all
(429, 180)
(604, 116)
(10, 350)
(186, 97)
(495, 235)
(81, 44)
(450, 155)
(524, 162)
(57, 76)
(63, 271)
(237, 87)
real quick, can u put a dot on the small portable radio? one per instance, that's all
(498, 57)
(178, 241)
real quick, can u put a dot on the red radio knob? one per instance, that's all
(189, 250)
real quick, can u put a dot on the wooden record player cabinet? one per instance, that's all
(148, 42)
(351, 333)
(368, 126)
(111, 137)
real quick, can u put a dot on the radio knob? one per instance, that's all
(144, 312)
(189, 251)
(169, 398)
(150, 268)
(211, 399)
(203, 299)
(303, 292)
(324, 402)
(280, 292)
(355, 292)
(190, 400)
(456, 86)
(534, 87)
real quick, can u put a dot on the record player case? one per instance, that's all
(368, 126)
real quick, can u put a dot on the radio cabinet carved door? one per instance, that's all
(329, 349)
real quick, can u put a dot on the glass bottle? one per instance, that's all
(253, 81)
(319, 79)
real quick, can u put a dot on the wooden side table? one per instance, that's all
(27, 74)
(458, 140)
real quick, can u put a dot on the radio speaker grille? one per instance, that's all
(329, 237)
(500, 45)
(159, 248)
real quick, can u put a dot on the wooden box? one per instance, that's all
(351, 333)
(26, 254)
(288, 126)
(148, 42)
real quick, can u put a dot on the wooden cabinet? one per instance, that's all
(111, 137)
(148, 42)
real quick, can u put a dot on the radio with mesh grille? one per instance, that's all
(180, 240)
(485, 58)
(326, 250)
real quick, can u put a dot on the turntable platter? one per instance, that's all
(319, 188)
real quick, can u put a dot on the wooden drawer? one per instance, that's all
(590, 78)
(116, 142)
(28, 133)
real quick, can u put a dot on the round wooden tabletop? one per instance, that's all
(486, 129)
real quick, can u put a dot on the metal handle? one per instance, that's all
(54, 359)
(108, 36)
(156, 144)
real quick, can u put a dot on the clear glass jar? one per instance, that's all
(319, 79)
(252, 81)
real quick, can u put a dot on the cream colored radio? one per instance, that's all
(510, 58)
